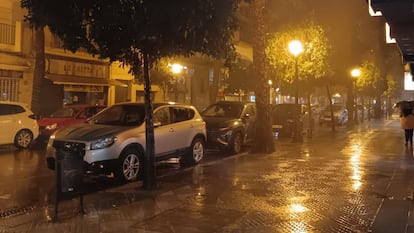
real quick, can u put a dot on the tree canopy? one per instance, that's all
(312, 62)
(120, 30)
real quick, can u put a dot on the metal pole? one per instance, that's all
(297, 136)
(296, 81)
(355, 104)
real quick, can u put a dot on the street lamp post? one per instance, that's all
(355, 73)
(270, 82)
(177, 69)
(295, 48)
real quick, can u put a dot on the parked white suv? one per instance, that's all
(114, 139)
(18, 124)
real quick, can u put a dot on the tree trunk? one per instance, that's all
(149, 181)
(39, 70)
(264, 141)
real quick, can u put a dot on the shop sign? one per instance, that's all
(71, 68)
(83, 88)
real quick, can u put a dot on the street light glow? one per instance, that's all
(355, 73)
(295, 47)
(177, 68)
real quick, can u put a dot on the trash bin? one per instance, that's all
(69, 170)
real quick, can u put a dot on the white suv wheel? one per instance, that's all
(130, 166)
(195, 153)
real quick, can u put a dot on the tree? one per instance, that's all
(313, 63)
(301, 72)
(39, 69)
(264, 138)
(138, 33)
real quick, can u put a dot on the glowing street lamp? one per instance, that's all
(177, 68)
(270, 82)
(295, 48)
(355, 73)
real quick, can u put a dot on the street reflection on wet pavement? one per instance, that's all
(356, 180)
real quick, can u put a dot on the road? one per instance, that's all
(26, 182)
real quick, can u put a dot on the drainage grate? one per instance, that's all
(15, 211)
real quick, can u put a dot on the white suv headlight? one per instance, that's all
(102, 143)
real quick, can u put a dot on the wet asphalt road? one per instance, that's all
(27, 183)
(356, 180)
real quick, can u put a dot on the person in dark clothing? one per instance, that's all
(407, 123)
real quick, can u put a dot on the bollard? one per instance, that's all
(69, 172)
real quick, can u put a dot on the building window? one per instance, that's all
(9, 89)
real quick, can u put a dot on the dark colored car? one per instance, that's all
(68, 115)
(340, 114)
(230, 125)
(284, 117)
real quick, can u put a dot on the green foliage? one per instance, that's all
(312, 62)
(122, 30)
(391, 86)
(367, 82)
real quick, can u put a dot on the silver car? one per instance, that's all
(113, 141)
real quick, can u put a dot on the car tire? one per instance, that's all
(129, 165)
(23, 139)
(236, 143)
(195, 153)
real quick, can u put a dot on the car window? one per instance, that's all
(223, 110)
(92, 111)
(8, 109)
(251, 110)
(64, 113)
(162, 116)
(182, 114)
(123, 115)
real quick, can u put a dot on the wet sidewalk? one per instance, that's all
(358, 180)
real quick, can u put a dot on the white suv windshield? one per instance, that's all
(123, 115)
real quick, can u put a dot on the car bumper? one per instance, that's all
(99, 167)
(217, 139)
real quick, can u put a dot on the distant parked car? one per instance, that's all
(284, 117)
(18, 124)
(114, 140)
(230, 125)
(68, 115)
(340, 114)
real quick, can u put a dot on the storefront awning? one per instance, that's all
(71, 80)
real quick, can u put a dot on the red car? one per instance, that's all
(69, 115)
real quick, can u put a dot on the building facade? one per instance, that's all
(81, 78)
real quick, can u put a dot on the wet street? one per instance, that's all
(357, 180)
